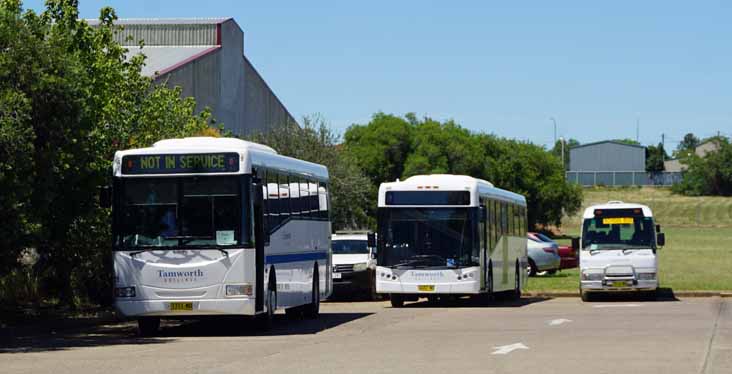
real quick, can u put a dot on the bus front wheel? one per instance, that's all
(312, 310)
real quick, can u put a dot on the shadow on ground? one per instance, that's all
(499, 301)
(663, 294)
(109, 333)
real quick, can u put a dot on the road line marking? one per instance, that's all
(616, 305)
(506, 349)
(557, 322)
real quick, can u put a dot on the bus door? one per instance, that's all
(259, 241)
(483, 234)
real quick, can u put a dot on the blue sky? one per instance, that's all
(596, 67)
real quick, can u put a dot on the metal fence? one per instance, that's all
(623, 178)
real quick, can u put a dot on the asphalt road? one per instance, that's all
(534, 335)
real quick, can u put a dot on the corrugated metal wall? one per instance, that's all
(606, 157)
(170, 34)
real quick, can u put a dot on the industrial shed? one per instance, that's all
(205, 57)
(608, 163)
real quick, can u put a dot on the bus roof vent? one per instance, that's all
(615, 202)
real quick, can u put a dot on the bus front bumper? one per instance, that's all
(181, 308)
(428, 288)
(627, 285)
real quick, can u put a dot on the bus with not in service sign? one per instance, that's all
(449, 235)
(218, 226)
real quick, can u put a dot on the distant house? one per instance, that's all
(613, 163)
(675, 165)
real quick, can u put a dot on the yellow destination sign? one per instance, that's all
(618, 221)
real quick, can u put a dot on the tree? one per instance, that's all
(687, 144)
(69, 98)
(428, 146)
(316, 142)
(626, 141)
(568, 144)
(655, 156)
(708, 175)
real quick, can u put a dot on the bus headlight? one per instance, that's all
(361, 266)
(646, 276)
(237, 290)
(592, 276)
(125, 292)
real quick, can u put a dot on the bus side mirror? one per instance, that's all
(661, 239)
(575, 244)
(105, 197)
(371, 238)
(658, 228)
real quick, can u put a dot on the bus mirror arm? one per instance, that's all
(105, 196)
(371, 238)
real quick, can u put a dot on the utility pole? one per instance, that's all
(561, 139)
(555, 129)
(663, 144)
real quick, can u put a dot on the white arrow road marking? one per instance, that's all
(615, 305)
(557, 322)
(506, 349)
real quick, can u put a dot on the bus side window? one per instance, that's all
(302, 202)
(313, 198)
(504, 219)
(323, 200)
(494, 223)
(283, 198)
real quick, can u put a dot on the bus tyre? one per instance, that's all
(517, 283)
(148, 326)
(266, 319)
(397, 301)
(312, 310)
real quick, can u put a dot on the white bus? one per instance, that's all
(619, 244)
(218, 226)
(455, 235)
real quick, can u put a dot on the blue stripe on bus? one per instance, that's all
(296, 257)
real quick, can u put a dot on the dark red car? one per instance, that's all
(567, 253)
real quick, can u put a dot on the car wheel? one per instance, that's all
(586, 296)
(531, 269)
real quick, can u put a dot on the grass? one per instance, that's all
(698, 251)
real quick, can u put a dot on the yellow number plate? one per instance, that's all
(426, 287)
(618, 221)
(619, 284)
(181, 307)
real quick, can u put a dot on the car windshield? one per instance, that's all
(428, 237)
(613, 232)
(545, 238)
(349, 247)
(179, 212)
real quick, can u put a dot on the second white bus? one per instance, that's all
(451, 235)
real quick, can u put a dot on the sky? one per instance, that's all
(599, 69)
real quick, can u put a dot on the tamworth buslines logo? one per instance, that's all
(169, 276)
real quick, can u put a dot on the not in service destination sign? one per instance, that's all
(181, 163)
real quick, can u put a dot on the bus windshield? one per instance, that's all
(349, 247)
(179, 212)
(428, 238)
(615, 232)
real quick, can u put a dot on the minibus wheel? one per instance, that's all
(397, 301)
(148, 326)
(266, 319)
(517, 283)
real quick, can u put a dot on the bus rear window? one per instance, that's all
(428, 198)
